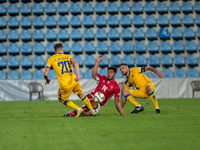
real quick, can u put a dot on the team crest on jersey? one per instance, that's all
(132, 75)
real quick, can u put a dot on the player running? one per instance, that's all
(107, 85)
(145, 86)
(62, 65)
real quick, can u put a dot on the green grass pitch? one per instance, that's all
(40, 125)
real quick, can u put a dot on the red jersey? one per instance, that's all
(108, 88)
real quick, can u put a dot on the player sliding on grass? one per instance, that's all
(107, 85)
(146, 88)
(62, 64)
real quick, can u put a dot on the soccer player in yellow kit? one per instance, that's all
(145, 86)
(62, 65)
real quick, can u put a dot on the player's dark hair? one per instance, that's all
(112, 68)
(124, 64)
(58, 45)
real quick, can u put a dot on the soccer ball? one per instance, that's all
(99, 97)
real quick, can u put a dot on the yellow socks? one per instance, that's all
(131, 99)
(70, 104)
(86, 101)
(153, 98)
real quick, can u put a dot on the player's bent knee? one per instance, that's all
(149, 89)
(125, 92)
(61, 100)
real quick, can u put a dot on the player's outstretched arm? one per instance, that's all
(95, 69)
(160, 74)
(76, 67)
(118, 107)
(46, 76)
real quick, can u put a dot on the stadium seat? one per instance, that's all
(62, 21)
(188, 20)
(25, 22)
(2, 75)
(25, 75)
(149, 7)
(50, 22)
(63, 35)
(66, 48)
(113, 34)
(113, 21)
(163, 20)
(13, 75)
(115, 60)
(99, 8)
(178, 47)
(13, 22)
(13, 49)
(150, 20)
(38, 35)
(168, 73)
(186, 7)
(37, 9)
(193, 73)
(76, 48)
(163, 33)
(87, 8)
(180, 73)
(50, 9)
(102, 47)
(38, 22)
(197, 20)
(153, 75)
(38, 48)
(13, 35)
(153, 60)
(198, 33)
(75, 21)
(25, 9)
(127, 47)
(140, 47)
(2, 49)
(190, 46)
(104, 61)
(80, 74)
(166, 60)
(38, 61)
(47, 58)
(199, 47)
(140, 60)
(25, 62)
(79, 60)
(124, 7)
(103, 72)
(2, 62)
(151, 34)
(100, 21)
(101, 34)
(128, 59)
(118, 74)
(2, 22)
(88, 34)
(174, 7)
(2, 9)
(191, 60)
(89, 61)
(197, 6)
(152, 47)
(175, 20)
(76, 34)
(125, 21)
(25, 35)
(62, 8)
(176, 33)
(114, 47)
(112, 8)
(179, 60)
(88, 21)
(52, 74)
(13, 62)
(12, 9)
(165, 47)
(26, 48)
(188, 33)
(137, 7)
(126, 34)
(89, 47)
(2, 35)
(88, 74)
(138, 34)
(50, 48)
(38, 74)
(138, 20)
(162, 7)
(51, 34)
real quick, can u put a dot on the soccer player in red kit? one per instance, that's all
(107, 85)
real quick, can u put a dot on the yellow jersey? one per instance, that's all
(62, 67)
(136, 78)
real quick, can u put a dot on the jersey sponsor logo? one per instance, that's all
(132, 75)
(104, 88)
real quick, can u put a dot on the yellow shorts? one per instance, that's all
(142, 92)
(64, 92)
